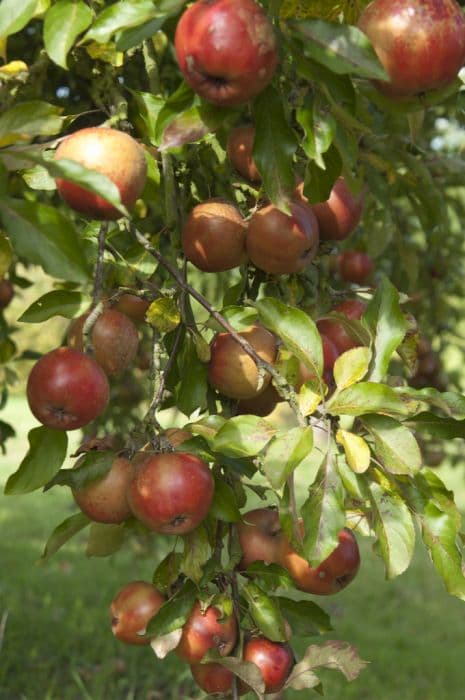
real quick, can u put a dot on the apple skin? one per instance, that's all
(274, 659)
(213, 237)
(261, 405)
(171, 492)
(67, 389)
(203, 631)
(226, 50)
(281, 244)
(132, 306)
(114, 340)
(355, 266)
(330, 355)
(421, 43)
(105, 500)
(212, 677)
(260, 537)
(132, 608)
(6, 293)
(335, 332)
(340, 214)
(239, 150)
(332, 575)
(112, 153)
(231, 371)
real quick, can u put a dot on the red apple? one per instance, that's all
(332, 575)
(335, 331)
(205, 630)
(133, 306)
(111, 153)
(280, 244)
(261, 405)
(171, 492)
(132, 608)
(421, 43)
(6, 293)
(212, 678)
(339, 215)
(213, 237)
(234, 373)
(260, 537)
(274, 659)
(226, 50)
(355, 266)
(67, 389)
(239, 150)
(114, 340)
(105, 500)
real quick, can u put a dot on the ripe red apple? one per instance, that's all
(280, 244)
(260, 405)
(332, 575)
(105, 500)
(213, 237)
(274, 659)
(111, 153)
(133, 306)
(114, 340)
(132, 608)
(212, 677)
(339, 215)
(421, 43)
(205, 630)
(335, 331)
(231, 371)
(6, 293)
(67, 389)
(239, 150)
(355, 266)
(330, 355)
(171, 492)
(226, 50)
(260, 537)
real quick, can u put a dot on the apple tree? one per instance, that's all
(251, 214)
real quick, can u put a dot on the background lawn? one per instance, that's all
(56, 641)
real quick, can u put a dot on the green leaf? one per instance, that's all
(285, 452)
(369, 397)
(42, 235)
(246, 671)
(178, 102)
(387, 324)
(59, 302)
(15, 15)
(351, 367)
(148, 107)
(6, 254)
(270, 576)
(395, 446)
(265, 612)
(449, 402)
(356, 450)
(196, 553)
(120, 15)
(26, 120)
(192, 125)
(167, 572)
(63, 23)
(436, 426)
(394, 529)
(319, 127)
(224, 505)
(104, 540)
(63, 532)
(174, 613)
(163, 314)
(191, 391)
(440, 535)
(274, 147)
(340, 47)
(335, 655)
(297, 331)
(323, 512)
(47, 451)
(92, 466)
(305, 617)
(243, 436)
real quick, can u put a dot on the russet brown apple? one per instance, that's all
(226, 50)
(421, 43)
(281, 244)
(213, 237)
(205, 630)
(171, 492)
(105, 500)
(133, 306)
(340, 214)
(274, 659)
(231, 371)
(335, 331)
(132, 608)
(110, 152)
(67, 389)
(6, 293)
(239, 150)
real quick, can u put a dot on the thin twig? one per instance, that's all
(151, 66)
(3, 622)
(98, 276)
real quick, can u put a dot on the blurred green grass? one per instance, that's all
(57, 643)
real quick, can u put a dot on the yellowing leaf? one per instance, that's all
(11, 69)
(105, 52)
(323, 9)
(163, 314)
(351, 367)
(356, 450)
(308, 400)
